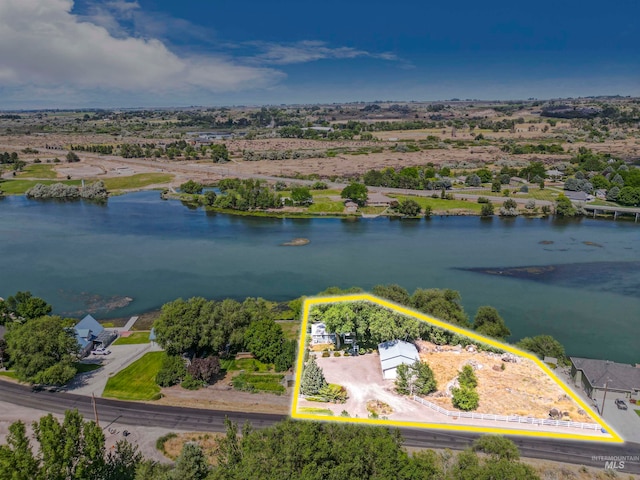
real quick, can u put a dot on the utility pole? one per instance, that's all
(95, 409)
(604, 397)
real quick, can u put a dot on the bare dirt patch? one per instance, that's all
(209, 442)
(520, 389)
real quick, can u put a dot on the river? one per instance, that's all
(84, 257)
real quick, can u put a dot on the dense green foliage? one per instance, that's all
(415, 379)
(543, 346)
(23, 305)
(191, 187)
(94, 191)
(564, 207)
(73, 449)
(172, 371)
(43, 350)
(246, 195)
(489, 322)
(301, 195)
(312, 380)
(356, 192)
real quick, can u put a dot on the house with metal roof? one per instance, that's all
(593, 375)
(89, 334)
(394, 353)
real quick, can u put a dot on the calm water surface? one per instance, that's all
(82, 257)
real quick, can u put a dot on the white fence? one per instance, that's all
(507, 418)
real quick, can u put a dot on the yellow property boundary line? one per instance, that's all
(310, 302)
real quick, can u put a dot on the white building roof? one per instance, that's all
(397, 352)
(318, 329)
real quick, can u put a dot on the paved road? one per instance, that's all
(190, 419)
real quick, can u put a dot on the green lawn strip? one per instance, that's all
(38, 170)
(290, 328)
(323, 204)
(136, 181)
(259, 382)
(138, 380)
(372, 210)
(438, 204)
(87, 367)
(316, 411)
(133, 339)
(10, 374)
(19, 187)
(247, 364)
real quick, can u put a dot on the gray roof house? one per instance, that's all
(578, 196)
(90, 333)
(394, 353)
(594, 375)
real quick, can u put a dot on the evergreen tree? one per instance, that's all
(312, 378)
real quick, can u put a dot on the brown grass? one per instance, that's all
(520, 389)
(209, 442)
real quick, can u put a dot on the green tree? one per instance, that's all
(191, 187)
(122, 462)
(498, 446)
(487, 210)
(496, 185)
(467, 377)
(564, 207)
(210, 198)
(24, 305)
(489, 322)
(301, 195)
(17, 461)
(356, 192)
(441, 303)
(43, 350)
(543, 346)
(191, 464)
(312, 380)
(409, 208)
(392, 292)
(72, 157)
(172, 371)
(179, 328)
(417, 378)
(264, 338)
(465, 398)
(219, 153)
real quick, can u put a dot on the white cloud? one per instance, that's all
(309, 51)
(43, 44)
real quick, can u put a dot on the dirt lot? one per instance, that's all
(520, 389)
(221, 396)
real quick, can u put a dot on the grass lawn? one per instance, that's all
(438, 204)
(637, 412)
(534, 192)
(259, 382)
(372, 210)
(10, 374)
(316, 411)
(133, 339)
(247, 364)
(136, 181)
(38, 170)
(138, 380)
(323, 204)
(290, 328)
(19, 187)
(87, 367)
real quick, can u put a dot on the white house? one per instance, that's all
(394, 353)
(320, 335)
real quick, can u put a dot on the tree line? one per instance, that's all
(74, 449)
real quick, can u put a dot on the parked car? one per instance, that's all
(620, 404)
(101, 351)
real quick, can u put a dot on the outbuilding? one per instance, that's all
(394, 353)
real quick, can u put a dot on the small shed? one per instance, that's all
(394, 353)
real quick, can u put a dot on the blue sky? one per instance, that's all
(103, 53)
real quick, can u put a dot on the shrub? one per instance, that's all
(333, 393)
(326, 354)
(467, 377)
(164, 439)
(465, 398)
(336, 354)
(483, 200)
(487, 210)
(172, 371)
(191, 383)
